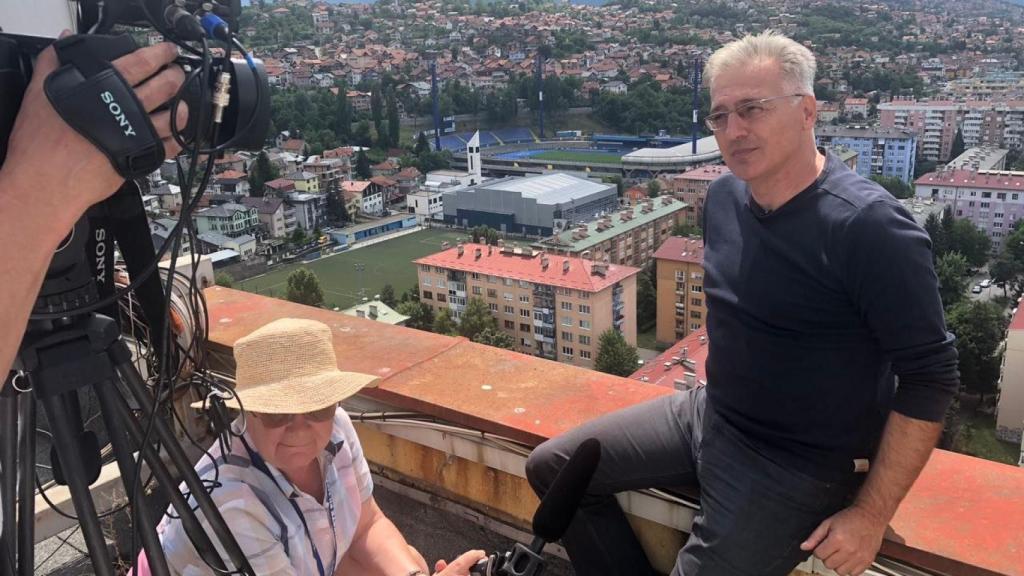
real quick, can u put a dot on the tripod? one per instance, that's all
(56, 360)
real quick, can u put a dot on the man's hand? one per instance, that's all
(64, 171)
(460, 566)
(847, 541)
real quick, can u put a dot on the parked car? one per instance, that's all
(976, 289)
(986, 283)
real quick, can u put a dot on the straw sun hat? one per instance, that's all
(289, 367)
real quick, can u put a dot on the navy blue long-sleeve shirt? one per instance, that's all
(812, 309)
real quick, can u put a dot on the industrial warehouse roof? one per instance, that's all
(556, 188)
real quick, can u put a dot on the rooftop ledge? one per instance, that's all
(963, 516)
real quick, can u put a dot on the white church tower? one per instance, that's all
(473, 159)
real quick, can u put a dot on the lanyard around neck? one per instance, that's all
(261, 465)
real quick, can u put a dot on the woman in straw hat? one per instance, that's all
(294, 486)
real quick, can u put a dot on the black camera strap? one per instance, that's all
(95, 99)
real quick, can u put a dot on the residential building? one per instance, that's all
(169, 196)
(681, 367)
(983, 123)
(881, 151)
(629, 236)
(387, 188)
(377, 310)
(992, 200)
(409, 180)
(426, 203)
(211, 242)
(554, 306)
(682, 308)
(279, 187)
(160, 230)
(305, 182)
(980, 158)
(846, 156)
(360, 101)
(827, 112)
(692, 188)
(856, 106)
(1010, 414)
(530, 205)
(276, 216)
(371, 201)
(309, 209)
(228, 219)
(329, 171)
(232, 182)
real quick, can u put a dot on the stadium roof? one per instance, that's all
(707, 150)
(556, 188)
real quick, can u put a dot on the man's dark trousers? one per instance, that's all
(754, 513)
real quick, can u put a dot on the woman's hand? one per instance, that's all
(460, 566)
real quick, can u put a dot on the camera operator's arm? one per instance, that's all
(52, 175)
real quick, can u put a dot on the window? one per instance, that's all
(492, 293)
(438, 269)
(525, 313)
(985, 204)
(442, 297)
(584, 308)
(424, 268)
(694, 326)
(524, 284)
(583, 295)
(997, 215)
(1014, 196)
(567, 306)
(477, 291)
(566, 320)
(510, 309)
(507, 281)
(525, 343)
(507, 296)
(427, 295)
(695, 314)
(566, 336)
(510, 325)
(986, 194)
(584, 340)
(1001, 196)
(474, 276)
(696, 301)
(563, 291)
(567, 350)
(997, 224)
(524, 298)
(970, 204)
(441, 284)
(696, 288)
(492, 280)
(492, 307)
(428, 282)
(585, 354)
(585, 324)
(525, 328)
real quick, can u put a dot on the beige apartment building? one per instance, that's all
(555, 306)
(629, 236)
(682, 308)
(692, 188)
(1010, 416)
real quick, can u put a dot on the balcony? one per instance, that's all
(964, 516)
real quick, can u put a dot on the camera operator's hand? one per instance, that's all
(60, 168)
(460, 566)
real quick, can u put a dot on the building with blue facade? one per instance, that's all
(880, 151)
(531, 205)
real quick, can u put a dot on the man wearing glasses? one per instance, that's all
(821, 292)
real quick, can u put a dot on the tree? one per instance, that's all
(978, 327)
(496, 338)
(387, 295)
(653, 189)
(685, 229)
(263, 171)
(898, 188)
(953, 272)
(933, 227)
(224, 279)
(615, 355)
(420, 315)
(304, 288)
(394, 125)
(422, 146)
(362, 137)
(958, 144)
(298, 237)
(363, 170)
(1004, 271)
(343, 114)
(968, 240)
(336, 209)
(646, 301)
(476, 318)
(443, 323)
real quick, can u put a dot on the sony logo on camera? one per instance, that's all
(117, 113)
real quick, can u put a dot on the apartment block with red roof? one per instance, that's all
(681, 306)
(692, 188)
(1010, 415)
(555, 307)
(993, 200)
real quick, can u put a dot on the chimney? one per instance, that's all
(691, 379)
(544, 262)
(684, 352)
(489, 248)
(668, 365)
(565, 266)
(373, 310)
(376, 297)
(477, 253)
(361, 313)
(462, 249)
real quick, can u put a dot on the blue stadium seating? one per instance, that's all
(514, 135)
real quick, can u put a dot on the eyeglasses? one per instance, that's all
(278, 420)
(748, 112)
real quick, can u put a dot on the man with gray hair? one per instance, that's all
(821, 292)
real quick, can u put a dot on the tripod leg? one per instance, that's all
(195, 531)
(26, 484)
(142, 520)
(71, 462)
(135, 385)
(9, 480)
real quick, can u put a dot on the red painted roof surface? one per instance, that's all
(709, 172)
(656, 372)
(529, 267)
(679, 249)
(971, 179)
(963, 516)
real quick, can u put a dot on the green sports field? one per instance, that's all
(388, 262)
(573, 156)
